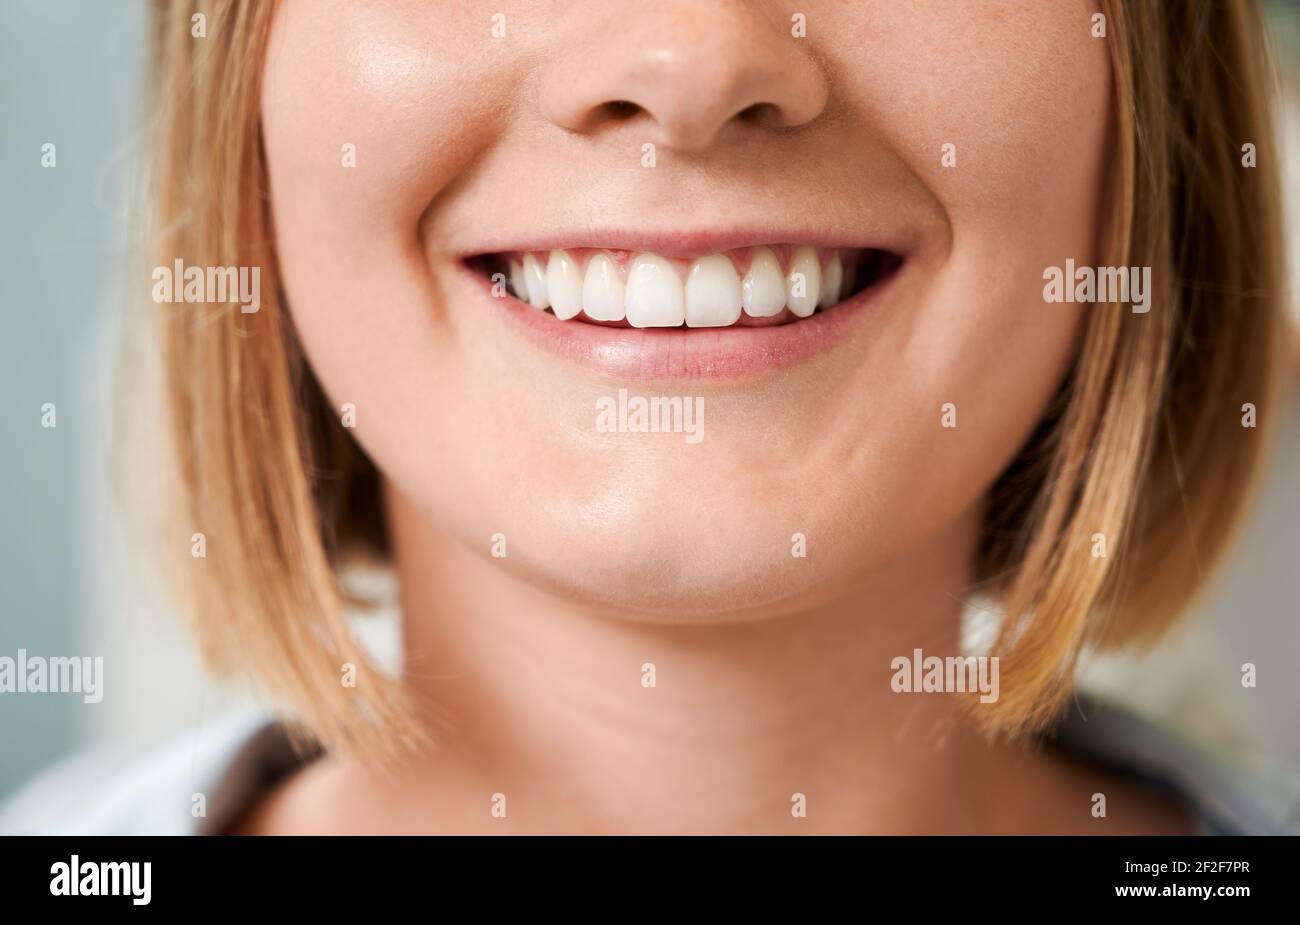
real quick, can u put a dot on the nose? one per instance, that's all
(685, 72)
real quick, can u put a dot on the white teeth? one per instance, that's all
(517, 282)
(712, 293)
(832, 280)
(563, 285)
(803, 284)
(764, 286)
(654, 294)
(535, 282)
(602, 290)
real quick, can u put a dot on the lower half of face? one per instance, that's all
(668, 299)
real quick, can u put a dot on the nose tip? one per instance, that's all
(685, 75)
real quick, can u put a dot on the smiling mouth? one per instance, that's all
(760, 286)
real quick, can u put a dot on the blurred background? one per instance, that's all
(70, 73)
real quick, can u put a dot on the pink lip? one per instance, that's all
(687, 245)
(643, 354)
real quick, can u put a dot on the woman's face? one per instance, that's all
(639, 138)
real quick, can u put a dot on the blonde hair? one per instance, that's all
(1143, 444)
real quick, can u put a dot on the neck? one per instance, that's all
(591, 721)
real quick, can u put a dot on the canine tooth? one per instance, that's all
(832, 282)
(602, 290)
(805, 278)
(654, 293)
(764, 286)
(535, 281)
(712, 293)
(517, 282)
(563, 285)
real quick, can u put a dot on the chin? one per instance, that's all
(681, 564)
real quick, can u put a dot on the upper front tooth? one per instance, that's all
(712, 293)
(535, 282)
(517, 282)
(832, 280)
(764, 286)
(654, 293)
(563, 285)
(602, 290)
(804, 284)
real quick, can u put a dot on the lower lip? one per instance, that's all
(641, 354)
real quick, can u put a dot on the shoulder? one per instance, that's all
(1229, 794)
(196, 784)
(294, 805)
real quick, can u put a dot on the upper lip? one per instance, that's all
(690, 244)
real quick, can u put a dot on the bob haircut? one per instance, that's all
(1148, 441)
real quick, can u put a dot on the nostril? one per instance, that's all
(621, 110)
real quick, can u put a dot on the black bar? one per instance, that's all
(329, 874)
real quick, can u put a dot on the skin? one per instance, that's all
(626, 549)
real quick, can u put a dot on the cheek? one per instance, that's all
(341, 73)
(1024, 105)
(366, 117)
(368, 113)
